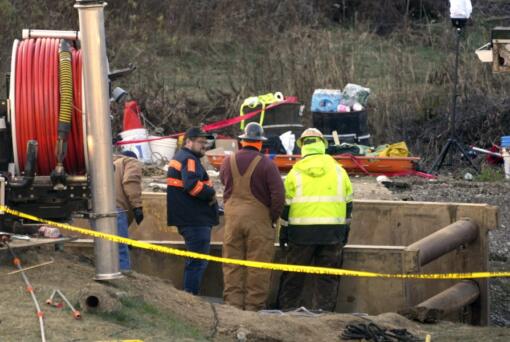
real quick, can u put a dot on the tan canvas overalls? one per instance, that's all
(248, 235)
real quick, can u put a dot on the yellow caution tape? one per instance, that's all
(251, 263)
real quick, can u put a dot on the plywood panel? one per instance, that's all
(369, 295)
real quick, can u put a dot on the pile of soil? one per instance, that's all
(151, 309)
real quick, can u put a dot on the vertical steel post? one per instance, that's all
(99, 134)
(453, 118)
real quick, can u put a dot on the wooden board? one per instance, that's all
(15, 244)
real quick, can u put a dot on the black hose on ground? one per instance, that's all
(373, 332)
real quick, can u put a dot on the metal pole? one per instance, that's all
(99, 134)
(453, 127)
(68, 35)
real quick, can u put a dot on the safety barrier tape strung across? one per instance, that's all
(249, 263)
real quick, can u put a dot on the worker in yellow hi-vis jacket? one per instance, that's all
(315, 222)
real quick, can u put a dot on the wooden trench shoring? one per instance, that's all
(385, 237)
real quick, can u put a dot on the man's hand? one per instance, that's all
(276, 224)
(138, 212)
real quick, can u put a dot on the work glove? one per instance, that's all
(283, 238)
(138, 212)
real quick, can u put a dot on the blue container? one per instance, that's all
(505, 141)
(326, 100)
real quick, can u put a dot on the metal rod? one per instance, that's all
(49, 301)
(76, 313)
(445, 240)
(99, 134)
(69, 35)
(481, 150)
(30, 289)
(71, 179)
(453, 127)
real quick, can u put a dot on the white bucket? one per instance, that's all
(163, 150)
(141, 149)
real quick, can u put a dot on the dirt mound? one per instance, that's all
(153, 310)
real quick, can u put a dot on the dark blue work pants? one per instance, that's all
(122, 228)
(197, 239)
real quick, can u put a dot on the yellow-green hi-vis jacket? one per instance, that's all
(317, 189)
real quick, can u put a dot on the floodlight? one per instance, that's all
(460, 12)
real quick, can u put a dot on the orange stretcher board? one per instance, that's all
(352, 164)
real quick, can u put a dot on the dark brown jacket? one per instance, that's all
(266, 183)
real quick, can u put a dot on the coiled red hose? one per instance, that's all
(37, 105)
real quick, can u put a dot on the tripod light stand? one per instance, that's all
(453, 141)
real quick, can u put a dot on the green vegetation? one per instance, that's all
(490, 174)
(154, 323)
(197, 60)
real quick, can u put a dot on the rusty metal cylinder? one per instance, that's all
(445, 240)
(450, 300)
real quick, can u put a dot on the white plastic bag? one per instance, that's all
(460, 9)
(353, 93)
(288, 140)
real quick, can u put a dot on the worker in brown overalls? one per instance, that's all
(254, 197)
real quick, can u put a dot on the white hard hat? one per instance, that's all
(309, 133)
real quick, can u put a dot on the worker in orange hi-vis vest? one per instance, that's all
(191, 204)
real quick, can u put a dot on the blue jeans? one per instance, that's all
(122, 230)
(197, 239)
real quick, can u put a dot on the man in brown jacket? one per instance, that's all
(254, 197)
(128, 195)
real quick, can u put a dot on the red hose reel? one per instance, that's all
(37, 105)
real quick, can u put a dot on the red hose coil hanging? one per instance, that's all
(37, 105)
